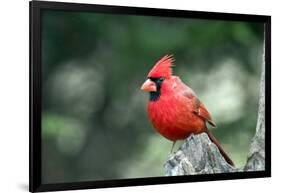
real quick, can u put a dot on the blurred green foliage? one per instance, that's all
(94, 121)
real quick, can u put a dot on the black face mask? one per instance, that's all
(154, 96)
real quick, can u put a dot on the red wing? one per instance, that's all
(198, 107)
(203, 112)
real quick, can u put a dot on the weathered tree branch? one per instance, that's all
(198, 155)
(256, 156)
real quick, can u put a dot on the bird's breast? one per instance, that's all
(173, 119)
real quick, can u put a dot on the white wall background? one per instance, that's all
(14, 72)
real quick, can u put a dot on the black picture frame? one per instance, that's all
(36, 8)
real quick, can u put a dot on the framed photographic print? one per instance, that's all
(125, 96)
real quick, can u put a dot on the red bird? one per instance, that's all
(173, 108)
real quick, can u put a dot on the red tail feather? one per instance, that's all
(215, 141)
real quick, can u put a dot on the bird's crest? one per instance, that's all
(163, 68)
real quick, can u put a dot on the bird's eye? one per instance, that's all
(156, 79)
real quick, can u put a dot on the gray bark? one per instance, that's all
(256, 156)
(198, 155)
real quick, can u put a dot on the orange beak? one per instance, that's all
(149, 86)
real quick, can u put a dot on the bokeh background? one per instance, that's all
(94, 122)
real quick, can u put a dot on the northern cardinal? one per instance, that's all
(173, 108)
